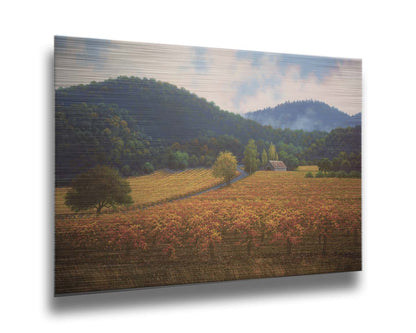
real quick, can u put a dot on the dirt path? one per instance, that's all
(242, 175)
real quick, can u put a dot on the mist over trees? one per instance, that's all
(306, 115)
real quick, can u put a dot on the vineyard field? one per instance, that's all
(160, 186)
(268, 224)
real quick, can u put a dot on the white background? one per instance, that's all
(381, 298)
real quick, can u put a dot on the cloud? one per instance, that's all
(340, 88)
(199, 61)
(237, 81)
(80, 60)
(320, 67)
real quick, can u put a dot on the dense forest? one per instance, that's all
(307, 115)
(139, 125)
(339, 140)
(162, 109)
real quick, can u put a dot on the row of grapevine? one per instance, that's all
(266, 210)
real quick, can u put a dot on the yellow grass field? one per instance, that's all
(307, 168)
(158, 187)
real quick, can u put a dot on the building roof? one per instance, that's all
(277, 164)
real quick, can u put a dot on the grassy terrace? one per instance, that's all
(158, 187)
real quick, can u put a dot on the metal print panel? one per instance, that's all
(183, 164)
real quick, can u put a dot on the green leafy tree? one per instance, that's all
(336, 164)
(250, 157)
(346, 166)
(343, 155)
(292, 162)
(225, 166)
(264, 158)
(272, 152)
(148, 168)
(97, 188)
(193, 161)
(324, 165)
(182, 159)
(178, 160)
(126, 170)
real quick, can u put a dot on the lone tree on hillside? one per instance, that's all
(225, 166)
(97, 188)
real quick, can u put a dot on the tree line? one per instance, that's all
(140, 125)
(102, 186)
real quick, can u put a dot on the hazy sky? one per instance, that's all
(237, 81)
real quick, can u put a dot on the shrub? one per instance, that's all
(341, 174)
(193, 161)
(331, 174)
(345, 166)
(319, 174)
(354, 174)
(126, 171)
(148, 168)
(309, 175)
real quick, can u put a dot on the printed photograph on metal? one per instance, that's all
(180, 164)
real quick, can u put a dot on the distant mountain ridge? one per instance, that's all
(307, 115)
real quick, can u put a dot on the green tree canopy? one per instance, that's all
(148, 168)
(250, 157)
(291, 161)
(264, 158)
(225, 166)
(178, 160)
(346, 166)
(97, 188)
(272, 152)
(324, 165)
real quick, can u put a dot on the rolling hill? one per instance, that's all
(305, 115)
(161, 110)
(138, 124)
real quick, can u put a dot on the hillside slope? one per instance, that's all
(305, 115)
(138, 125)
(163, 110)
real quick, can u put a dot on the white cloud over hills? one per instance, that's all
(237, 81)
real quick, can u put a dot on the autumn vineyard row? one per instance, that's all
(263, 210)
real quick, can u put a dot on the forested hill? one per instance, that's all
(162, 110)
(138, 125)
(305, 115)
